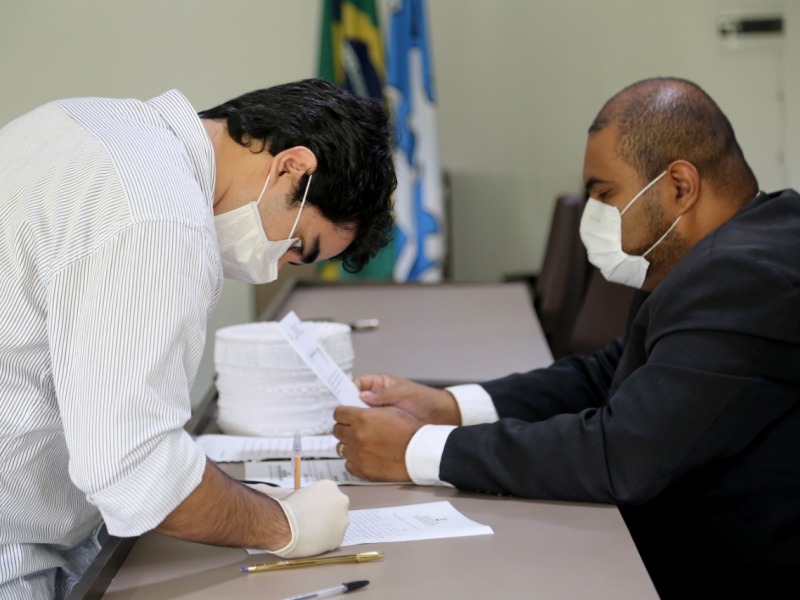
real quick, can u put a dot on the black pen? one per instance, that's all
(332, 591)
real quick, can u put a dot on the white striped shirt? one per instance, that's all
(109, 269)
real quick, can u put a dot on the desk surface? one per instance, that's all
(538, 550)
(448, 333)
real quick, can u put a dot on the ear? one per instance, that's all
(295, 162)
(685, 185)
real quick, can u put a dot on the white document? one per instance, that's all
(281, 472)
(428, 521)
(320, 361)
(239, 448)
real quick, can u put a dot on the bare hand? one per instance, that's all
(424, 403)
(375, 441)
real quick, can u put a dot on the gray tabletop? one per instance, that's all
(441, 334)
(538, 550)
(448, 333)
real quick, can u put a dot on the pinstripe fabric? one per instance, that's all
(109, 269)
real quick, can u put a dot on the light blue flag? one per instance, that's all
(419, 200)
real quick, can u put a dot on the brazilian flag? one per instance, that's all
(351, 56)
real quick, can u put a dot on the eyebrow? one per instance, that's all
(590, 183)
(313, 252)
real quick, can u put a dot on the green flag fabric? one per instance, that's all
(351, 55)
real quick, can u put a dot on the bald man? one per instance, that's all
(691, 424)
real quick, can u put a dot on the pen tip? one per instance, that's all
(243, 569)
(354, 585)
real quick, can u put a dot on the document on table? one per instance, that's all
(320, 361)
(238, 448)
(428, 521)
(281, 472)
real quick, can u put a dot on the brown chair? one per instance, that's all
(559, 288)
(603, 315)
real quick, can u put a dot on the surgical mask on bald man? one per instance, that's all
(601, 233)
(246, 252)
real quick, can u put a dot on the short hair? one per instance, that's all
(664, 119)
(351, 139)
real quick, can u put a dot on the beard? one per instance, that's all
(671, 249)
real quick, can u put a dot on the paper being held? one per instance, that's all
(315, 356)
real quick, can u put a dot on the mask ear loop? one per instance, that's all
(302, 204)
(637, 196)
(264, 189)
(661, 239)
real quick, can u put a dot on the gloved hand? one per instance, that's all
(317, 515)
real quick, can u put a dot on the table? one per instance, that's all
(467, 332)
(437, 334)
(538, 550)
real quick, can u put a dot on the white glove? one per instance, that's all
(317, 515)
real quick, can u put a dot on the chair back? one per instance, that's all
(603, 315)
(560, 285)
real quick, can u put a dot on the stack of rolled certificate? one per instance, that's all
(266, 389)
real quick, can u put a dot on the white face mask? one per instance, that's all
(601, 233)
(246, 253)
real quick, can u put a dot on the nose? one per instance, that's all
(284, 259)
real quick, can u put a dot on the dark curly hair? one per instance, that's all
(351, 139)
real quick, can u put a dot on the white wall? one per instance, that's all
(518, 83)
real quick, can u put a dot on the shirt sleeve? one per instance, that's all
(474, 403)
(570, 385)
(424, 454)
(707, 372)
(126, 329)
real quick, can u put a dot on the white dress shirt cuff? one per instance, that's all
(475, 404)
(424, 454)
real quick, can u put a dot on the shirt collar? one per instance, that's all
(182, 118)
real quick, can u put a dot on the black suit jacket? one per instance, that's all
(692, 426)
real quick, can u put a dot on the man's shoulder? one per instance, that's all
(152, 153)
(744, 277)
(764, 222)
(128, 127)
(759, 242)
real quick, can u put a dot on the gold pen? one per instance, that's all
(307, 562)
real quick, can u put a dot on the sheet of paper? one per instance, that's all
(428, 521)
(320, 361)
(238, 448)
(281, 472)
(432, 520)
